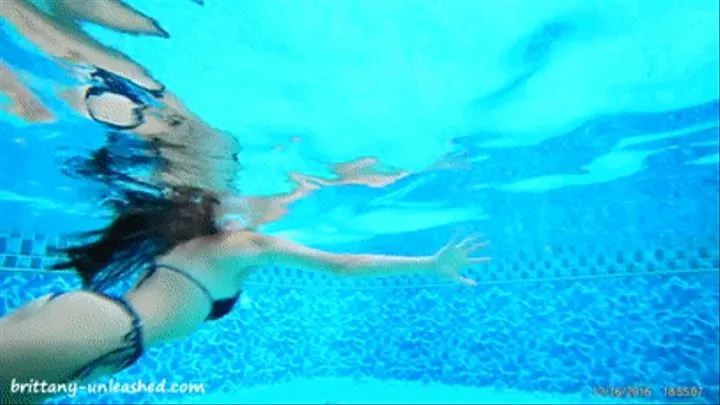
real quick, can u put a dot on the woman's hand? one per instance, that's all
(455, 256)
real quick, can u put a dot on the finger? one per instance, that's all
(466, 281)
(465, 242)
(478, 246)
(455, 237)
(480, 259)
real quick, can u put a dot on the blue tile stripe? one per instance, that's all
(23, 250)
(552, 335)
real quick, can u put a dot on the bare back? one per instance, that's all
(171, 306)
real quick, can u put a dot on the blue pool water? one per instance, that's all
(580, 137)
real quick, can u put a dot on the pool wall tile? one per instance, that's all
(557, 322)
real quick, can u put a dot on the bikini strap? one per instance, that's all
(122, 357)
(184, 274)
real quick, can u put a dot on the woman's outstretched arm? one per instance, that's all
(447, 262)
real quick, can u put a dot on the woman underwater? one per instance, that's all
(193, 273)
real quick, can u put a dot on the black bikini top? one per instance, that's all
(220, 308)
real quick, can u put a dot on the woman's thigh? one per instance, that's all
(50, 342)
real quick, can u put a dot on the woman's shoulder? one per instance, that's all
(236, 243)
(233, 242)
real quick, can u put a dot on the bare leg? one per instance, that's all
(48, 341)
(25, 312)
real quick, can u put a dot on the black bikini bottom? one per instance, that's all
(122, 357)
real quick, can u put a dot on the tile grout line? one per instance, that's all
(450, 284)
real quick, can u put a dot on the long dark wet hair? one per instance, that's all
(148, 227)
(149, 220)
